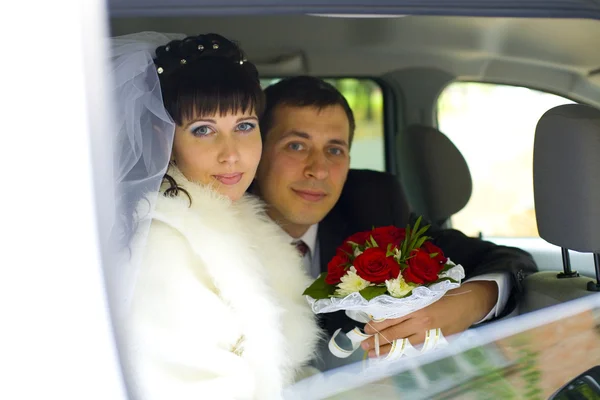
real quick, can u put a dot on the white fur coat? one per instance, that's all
(218, 311)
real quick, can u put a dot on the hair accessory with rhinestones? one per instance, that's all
(181, 53)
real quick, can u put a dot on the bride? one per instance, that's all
(214, 307)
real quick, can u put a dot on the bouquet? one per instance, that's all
(387, 272)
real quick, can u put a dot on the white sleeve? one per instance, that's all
(502, 279)
(178, 330)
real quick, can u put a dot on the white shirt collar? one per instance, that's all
(309, 237)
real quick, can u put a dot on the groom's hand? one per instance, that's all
(455, 312)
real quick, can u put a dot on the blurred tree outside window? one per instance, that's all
(494, 127)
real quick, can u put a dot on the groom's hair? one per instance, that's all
(303, 91)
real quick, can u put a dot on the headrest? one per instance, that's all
(566, 177)
(435, 175)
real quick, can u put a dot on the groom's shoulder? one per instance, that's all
(367, 187)
(369, 178)
(371, 198)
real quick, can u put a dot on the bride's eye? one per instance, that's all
(246, 127)
(202, 130)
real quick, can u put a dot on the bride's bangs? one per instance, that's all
(214, 89)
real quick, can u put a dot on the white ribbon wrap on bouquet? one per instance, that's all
(388, 307)
(434, 339)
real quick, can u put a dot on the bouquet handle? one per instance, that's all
(434, 339)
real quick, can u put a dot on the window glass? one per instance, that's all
(494, 126)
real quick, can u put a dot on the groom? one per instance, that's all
(304, 178)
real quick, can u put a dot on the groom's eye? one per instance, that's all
(336, 151)
(295, 146)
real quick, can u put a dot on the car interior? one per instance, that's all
(485, 112)
(489, 119)
(413, 59)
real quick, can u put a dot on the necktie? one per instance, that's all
(301, 247)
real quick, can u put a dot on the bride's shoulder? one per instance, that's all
(251, 206)
(251, 212)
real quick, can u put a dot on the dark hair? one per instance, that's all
(205, 74)
(303, 91)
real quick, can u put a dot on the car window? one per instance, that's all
(529, 357)
(366, 100)
(494, 126)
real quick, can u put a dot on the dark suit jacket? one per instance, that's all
(372, 199)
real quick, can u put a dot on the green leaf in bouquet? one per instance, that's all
(408, 231)
(416, 227)
(389, 252)
(353, 244)
(423, 230)
(350, 255)
(371, 292)
(319, 289)
(447, 278)
(371, 242)
(417, 239)
(404, 249)
(420, 242)
(402, 297)
(410, 238)
(413, 244)
(447, 267)
(414, 238)
(417, 234)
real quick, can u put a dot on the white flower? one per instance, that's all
(351, 283)
(398, 287)
(397, 254)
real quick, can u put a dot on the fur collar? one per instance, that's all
(256, 272)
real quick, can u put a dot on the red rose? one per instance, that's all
(344, 250)
(422, 268)
(388, 235)
(375, 267)
(432, 249)
(358, 238)
(336, 269)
